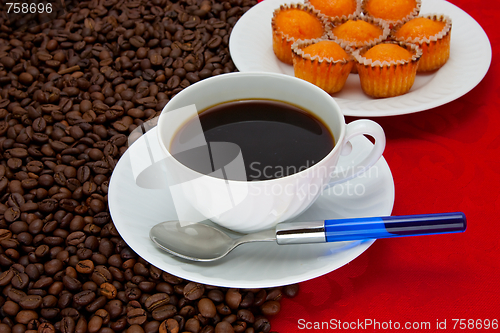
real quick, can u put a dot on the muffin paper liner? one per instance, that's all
(355, 45)
(327, 73)
(436, 48)
(358, 55)
(282, 43)
(387, 78)
(434, 38)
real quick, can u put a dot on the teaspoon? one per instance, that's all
(201, 242)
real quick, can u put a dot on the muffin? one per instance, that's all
(337, 9)
(393, 11)
(387, 69)
(322, 62)
(293, 22)
(433, 34)
(359, 32)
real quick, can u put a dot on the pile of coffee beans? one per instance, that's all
(71, 91)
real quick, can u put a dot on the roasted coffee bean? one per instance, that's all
(262, 324)
(53, 266)
(208, 329)
(25, 239)
(187, 311)
(248, 300)
(169, 326)
(39, 124)
(14, 294)
(121, 324)
(192, 325)
(224, 327)
(246, 315)
(20, 280)
(165, 288)
(156, 301)
(136, 316)
(31, 302)
(233, 298)
(68, 325)
(43, 282)
(85, 266)
(5, 234)
(291, 290)
(193, 291)
(95, 324)
(101, 275)
(6, 277)
(18, 227)
(83, 298)
(71, 283)
(75, 238)
(65, 300)
(147, 286)
(12, 214)
(173, 82)
(260, 298)
(10, 308)
(152, 327)
(34, 166)
(25, 316)
(163, 312)
(48, 205)
(108, 290)
(214, 42)
(83, 174)
(216, 295)
(270, 308)
(115, 308)
(223, 309)
(207, 308)
(230, 318)
(274, 295)
(57, 287)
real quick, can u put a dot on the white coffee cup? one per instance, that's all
(258, 205)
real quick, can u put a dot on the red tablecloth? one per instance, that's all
(444, 159)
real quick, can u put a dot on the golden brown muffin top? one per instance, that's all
(391, 10)
(357, 31)
(326, 49)
(299, 24)
(420, 27)
(388, 52)
(335, 7)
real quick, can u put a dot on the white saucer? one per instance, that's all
(257, 265)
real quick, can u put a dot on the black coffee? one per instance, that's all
(276, 139)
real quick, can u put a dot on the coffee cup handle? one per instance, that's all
(355, 128)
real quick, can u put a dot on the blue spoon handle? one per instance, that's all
(394, 226)
(369, 228)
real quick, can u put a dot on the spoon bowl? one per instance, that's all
(198, 241)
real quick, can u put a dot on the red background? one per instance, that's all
(444, 159)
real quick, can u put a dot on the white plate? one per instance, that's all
(258, 265)
(251, 49)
